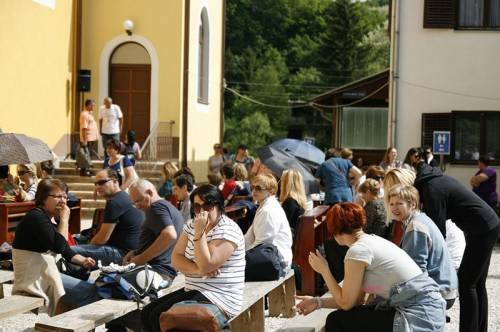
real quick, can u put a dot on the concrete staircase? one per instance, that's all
(83, 186)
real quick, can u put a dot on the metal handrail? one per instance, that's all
(159, 145)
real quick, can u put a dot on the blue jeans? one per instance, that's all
(78, 292)
(103, 253)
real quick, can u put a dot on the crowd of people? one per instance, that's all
(404, 240)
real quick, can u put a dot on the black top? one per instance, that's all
(37, 233)
(160, 215)
(120, 211)
(293, 211)
(443, 197)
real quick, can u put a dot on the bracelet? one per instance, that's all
(319, 303)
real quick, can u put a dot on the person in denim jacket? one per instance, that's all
(423, 241)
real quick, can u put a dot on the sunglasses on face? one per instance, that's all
(101, 182)
(21, 173)
(205, 206)
(378, 177)
(257, 188)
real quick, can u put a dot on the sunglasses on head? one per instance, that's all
(102, 182)
(205, 206)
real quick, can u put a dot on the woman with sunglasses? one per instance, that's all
(270, 225)
(27, 182)
(210, 252)
(37, 237)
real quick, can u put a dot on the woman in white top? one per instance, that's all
(406, 298)
(270, 224)
(27, 181)
(211, 253)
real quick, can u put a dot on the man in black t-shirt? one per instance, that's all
(119, 232)
(159, 232)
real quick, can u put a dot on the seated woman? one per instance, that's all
(406, 298)
(28, 182)
(7, 187)
(423, 241)
(131, 148)
(211, 253)
(369, 192)
(167, 173)
(242, 183)
(292, 196)
(120, 164)
(270, 224)
(35, 271)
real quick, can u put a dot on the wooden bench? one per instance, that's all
(5, 276)
(314, 322)
(310, 233)
(16, 304)
(12, 213)
(88, 317)
(281, 301)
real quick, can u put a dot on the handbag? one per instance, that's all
(264, 263)
(83, 160)
(193, 316)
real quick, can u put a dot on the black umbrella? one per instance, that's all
(21, 149)
(308, 153)
(277, 161)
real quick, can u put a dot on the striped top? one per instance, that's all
(226, 289)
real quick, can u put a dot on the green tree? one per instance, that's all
(253, 129)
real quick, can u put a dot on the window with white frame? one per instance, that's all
(203, 57)
(364, 127)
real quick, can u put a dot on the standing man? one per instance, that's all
(88, 129)
(120, 229)
(111, 121)
(242, 157)
(159, 232)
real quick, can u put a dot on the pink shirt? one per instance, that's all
(87, 121)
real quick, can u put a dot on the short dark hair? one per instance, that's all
(114, 144)
(88, 102)
(210, 195)
(184, 180)
(242, 147)
(485, 160)
(131, 137)
(48, 167)
(45, 187)
(228, 171)
(185, 171)
(112, 174)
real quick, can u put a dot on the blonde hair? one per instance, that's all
(346, 153)
(394, 177)
(30, 168)
(408, 194)
(240, 172)
(370, 185)
(386, 155)
(293, 186)
(168, 170)
(266, 181)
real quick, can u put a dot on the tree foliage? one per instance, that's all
(279, 51)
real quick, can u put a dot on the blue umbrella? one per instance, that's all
(277, 161)
(302, 150)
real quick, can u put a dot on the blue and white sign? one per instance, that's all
(441, 142)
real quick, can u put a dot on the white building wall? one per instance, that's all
(440, 70)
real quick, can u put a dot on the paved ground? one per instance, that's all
(26, 322)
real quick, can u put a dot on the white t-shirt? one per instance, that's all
(455, 241)
(110, 119)
(387, 264)
(271, 226)
(226, 289)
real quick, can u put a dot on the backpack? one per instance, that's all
(129, 152)
(135, 284)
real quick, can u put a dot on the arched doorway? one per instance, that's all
(130, 87)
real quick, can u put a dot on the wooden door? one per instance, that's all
(130, 88)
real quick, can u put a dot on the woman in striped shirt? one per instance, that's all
(211, 253)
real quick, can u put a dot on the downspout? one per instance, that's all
(392, 138)
(185, 83)
(222, 79)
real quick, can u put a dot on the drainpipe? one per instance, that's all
(185, 84)
(392, 138)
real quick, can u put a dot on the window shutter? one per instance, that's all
(434, 122)
(439, 14)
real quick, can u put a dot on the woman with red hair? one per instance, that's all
(404, 298)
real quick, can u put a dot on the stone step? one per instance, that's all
(87, 213)
(84, 194)
(90, 203)
(145, 173)
(78, 186)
